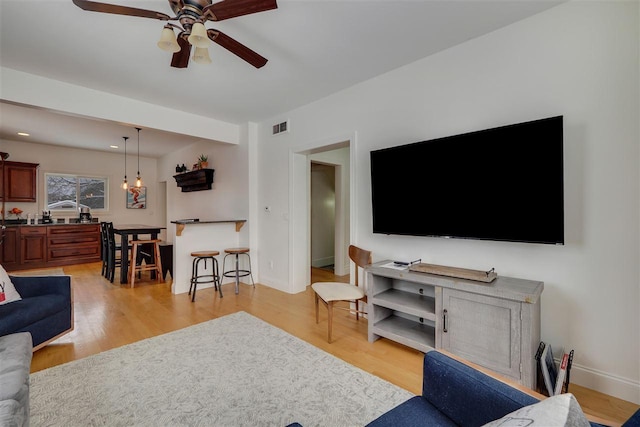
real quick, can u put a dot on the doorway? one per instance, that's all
(337, 154)
(323, 216)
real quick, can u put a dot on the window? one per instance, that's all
(69, 192)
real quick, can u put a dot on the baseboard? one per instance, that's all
(276, 284)
(619, 387)
(322, 262)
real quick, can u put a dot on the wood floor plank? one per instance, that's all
(109, 315)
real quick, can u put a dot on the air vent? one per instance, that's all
(280, 128)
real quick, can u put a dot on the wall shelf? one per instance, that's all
(197, 180)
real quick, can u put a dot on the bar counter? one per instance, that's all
(201, 235)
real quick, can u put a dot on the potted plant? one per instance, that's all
(203, 161)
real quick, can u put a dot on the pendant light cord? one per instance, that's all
(138, 177)
(124, 183)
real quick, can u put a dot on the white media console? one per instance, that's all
(496, 324)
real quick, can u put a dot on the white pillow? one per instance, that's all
(10, 293)
(560, 410)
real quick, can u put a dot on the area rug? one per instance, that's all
(236, 370)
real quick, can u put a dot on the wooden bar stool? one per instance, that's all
(237, 273)
(197, 278)
(155, 266)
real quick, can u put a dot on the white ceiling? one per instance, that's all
(314, 48)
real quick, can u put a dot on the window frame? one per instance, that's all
(77, 177)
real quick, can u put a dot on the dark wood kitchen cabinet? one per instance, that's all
(18, 181)
(10, 248)
(55, 245)
(73, 244)
(33, 245)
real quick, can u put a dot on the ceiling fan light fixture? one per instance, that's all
(168, 40)
(201, 55)
(198, 36)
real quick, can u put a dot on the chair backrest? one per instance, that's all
(360, 257)
(103, 240)
(111, 236)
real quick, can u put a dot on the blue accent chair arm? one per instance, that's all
(31, 286)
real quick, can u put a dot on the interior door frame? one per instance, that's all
(299, 206)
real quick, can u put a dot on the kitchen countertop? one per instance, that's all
(198, 221)
(23, 223)
(181, 223)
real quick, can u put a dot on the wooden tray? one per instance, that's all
(462, 273)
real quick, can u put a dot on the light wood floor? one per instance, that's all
(110, 315)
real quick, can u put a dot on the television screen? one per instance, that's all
(504, 183)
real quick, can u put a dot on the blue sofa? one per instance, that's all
(456, 394)
(46, 308)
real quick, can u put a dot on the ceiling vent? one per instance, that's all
(280, 128)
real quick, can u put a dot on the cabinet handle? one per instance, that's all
(444, 320)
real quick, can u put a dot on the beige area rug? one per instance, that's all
(39, 272)
(236, 370)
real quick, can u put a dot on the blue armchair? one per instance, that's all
(46, 308)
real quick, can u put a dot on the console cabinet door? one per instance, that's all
(482, 329)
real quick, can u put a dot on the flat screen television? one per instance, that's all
(504, 184)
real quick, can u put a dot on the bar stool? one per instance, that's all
(197, 278)
(237, 273)
(155, 266)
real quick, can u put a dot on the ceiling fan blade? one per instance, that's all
(180, 59)
(94, 6)
(226, 9)
(237, 48)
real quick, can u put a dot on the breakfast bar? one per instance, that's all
(200, 235)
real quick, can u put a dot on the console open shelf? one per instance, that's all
(197, 180)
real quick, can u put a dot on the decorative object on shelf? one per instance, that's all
(203, 161)
(125, 184)
(138, 177)
(462, 273)
(183, 168)
(191, 16)
(17, 212)
(196, 180)
(137, 198)
(178, 169)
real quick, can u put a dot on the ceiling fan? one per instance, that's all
(191, 16)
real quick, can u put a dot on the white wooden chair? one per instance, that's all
(330, 292)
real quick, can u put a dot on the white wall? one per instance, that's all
(56, 159)
(579, 60)
(229, 195)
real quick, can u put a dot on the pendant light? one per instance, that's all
(125, 185)
(138, 178)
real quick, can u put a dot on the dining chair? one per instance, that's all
(331, 292)
(114, 251)
(104, 248)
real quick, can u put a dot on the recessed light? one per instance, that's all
(114, 146)
(23, 134)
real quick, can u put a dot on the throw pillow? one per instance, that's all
(8, 292)
(560, 410)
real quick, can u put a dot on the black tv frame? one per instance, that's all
(503, 184)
